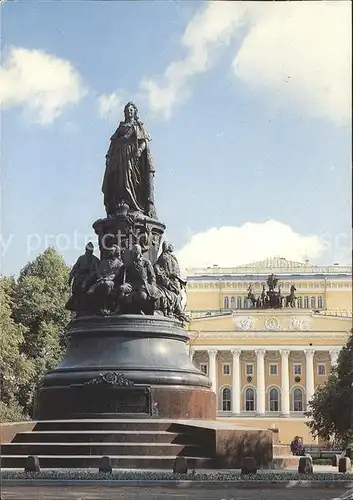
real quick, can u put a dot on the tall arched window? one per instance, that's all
(226, 399)
(232, 303)
(239, 303)
(300, 302)
(313, 302)
(320, 302)
(274, 399)
(306, 302)
(298, 399)
(226, 303)
(249, 399)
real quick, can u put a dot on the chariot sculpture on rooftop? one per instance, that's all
(272, 298)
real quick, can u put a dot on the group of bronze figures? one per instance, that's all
(272, 298)
(127, 283)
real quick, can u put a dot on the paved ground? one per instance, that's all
(146, 493)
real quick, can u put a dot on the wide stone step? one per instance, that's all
(285, 461)
(101, 436)
(281, 449)
(105, 424)
(154, 449)
(118, 461)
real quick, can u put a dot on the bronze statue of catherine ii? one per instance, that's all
(129, 172)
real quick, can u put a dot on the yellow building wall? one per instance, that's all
(339, 299)
(199, 300)
(272, 380)
(288, 427)
(296, 358)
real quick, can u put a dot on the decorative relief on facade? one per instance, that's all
(299, 324)
(272, 324)
(244, 324)
(272, 356)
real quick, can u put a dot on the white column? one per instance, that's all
(309, 373)
(334, 357)
(285, 400)
(236, 386)
(212, 369)
(260, 377)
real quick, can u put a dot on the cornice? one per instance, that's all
(249, 349)
(281, 335)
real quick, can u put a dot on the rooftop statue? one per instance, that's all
(272, 282)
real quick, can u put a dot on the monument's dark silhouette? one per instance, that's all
(127, 348)
(127, 391)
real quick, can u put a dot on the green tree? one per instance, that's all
(41, 292)
(330, 410)
(16, 369)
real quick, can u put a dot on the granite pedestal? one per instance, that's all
(123, 366)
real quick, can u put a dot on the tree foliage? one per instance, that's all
(331, 408)
(16, 368)
(39, 298)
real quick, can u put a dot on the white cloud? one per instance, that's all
(211, 28)
(232, 246)
(42, 82)
(110, 105)
(299, 51)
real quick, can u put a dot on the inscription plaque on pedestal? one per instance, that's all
(112, 399)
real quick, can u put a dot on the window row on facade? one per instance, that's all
(297, 401)
(242, 302)
(273, 369)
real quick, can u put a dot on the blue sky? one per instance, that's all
(250, 131)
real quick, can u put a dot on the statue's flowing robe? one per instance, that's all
(129, 179)
(81, 273)
(171, 266)
(82, 270)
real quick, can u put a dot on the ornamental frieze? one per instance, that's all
(272, 324)
(243, 324)
(299, 324)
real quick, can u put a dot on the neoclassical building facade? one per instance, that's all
(264, 364)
